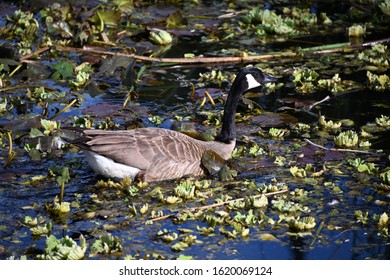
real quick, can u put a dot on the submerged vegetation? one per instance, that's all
(311, 163)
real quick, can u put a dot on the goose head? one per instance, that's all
(246, 79)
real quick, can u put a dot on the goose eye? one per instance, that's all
(256, 75)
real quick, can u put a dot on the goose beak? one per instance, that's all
(268, 78)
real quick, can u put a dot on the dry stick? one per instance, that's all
(25, 86)
(214, 205)
(36, 52)
(319, 102)
(210, 98)
(208, 60)
(338, 150)
(63, 109)
(205, 60)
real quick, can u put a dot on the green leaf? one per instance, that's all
(184, 257)
(36, 133)
(65, 177)
(63, 70)
(49, 126)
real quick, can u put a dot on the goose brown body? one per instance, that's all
(157, 154)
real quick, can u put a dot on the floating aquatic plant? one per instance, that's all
(304, 79)
(40, 94)
(301, 223)
(166, 236)
(57, 18)
(126, 185)
(277, 133)
(356, 30)
(292, 22)
(83, 121)
(361, 217)
(213, 221)
(180, 246)
(3, 103)
(379, 83)
(83, 72)
(280, 160)
(172, 199)
(376, 58)
(160, 37)
(255, 150)
(259, 202)
(144, 208)
(156, 214)
(385, 176)
(347, 139)
(35, 228)
(362, 166)
(383, 225)
(156, 120)
(217, 77)
(24, 26)
(273, 186)
(50, 126)
(364, 144)
(58, 207)
(202, 184)
(206, 231)
(63, 70)
(185, 189)
(31, 222)
(227, 233)
(133, 210)
(383, 121)
(298, 172)
(185, 243)
(335, 84)
(106, 244)
(63, 249)
(289, 206)
(41, 230)
(385, 7)
(301, 129)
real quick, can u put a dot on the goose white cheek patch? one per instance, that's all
(252, 83)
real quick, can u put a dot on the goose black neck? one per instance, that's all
(228, 131)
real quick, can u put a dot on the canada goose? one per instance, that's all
(157, 154)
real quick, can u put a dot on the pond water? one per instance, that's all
(332, 197)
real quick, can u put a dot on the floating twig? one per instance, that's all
(212, 60)
(15, 70)
(319, 102)
(184, 60)
(36, 52)
(338, 150)
(210, 98)
(210, 206)
(25, 86)
(64, 109)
